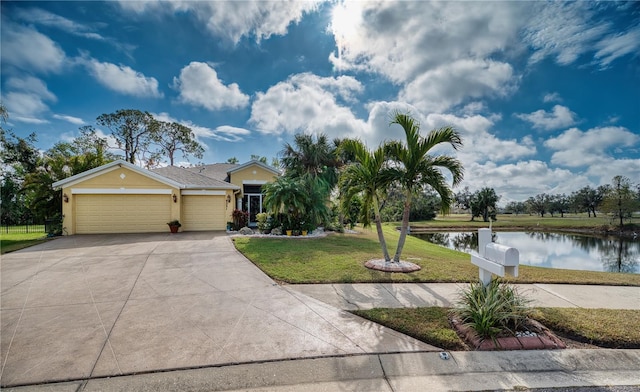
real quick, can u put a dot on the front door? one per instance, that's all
(254, 208)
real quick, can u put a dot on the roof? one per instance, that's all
(191, 179)
(254, 162)
(217, 170)
(113, 166)
(215, 176)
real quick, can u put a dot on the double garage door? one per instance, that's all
(145, 213)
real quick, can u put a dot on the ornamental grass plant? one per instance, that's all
(493, 309)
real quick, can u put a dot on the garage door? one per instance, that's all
(203, 213)
(122, 213)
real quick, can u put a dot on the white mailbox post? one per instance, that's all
(494, 258)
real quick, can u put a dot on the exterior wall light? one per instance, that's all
(65, 197)
(175, 198)
(228, 198)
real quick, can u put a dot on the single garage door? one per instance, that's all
(204, 212)
(122, 213)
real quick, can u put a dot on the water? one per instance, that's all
(554, 250)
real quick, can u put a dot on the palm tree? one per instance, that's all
(367, 176)
(415, 168)
(308, 158)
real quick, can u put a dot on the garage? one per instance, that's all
(203, 212)
(117, 213)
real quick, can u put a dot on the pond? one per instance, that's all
(554, 250)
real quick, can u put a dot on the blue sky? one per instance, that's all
(545, 94)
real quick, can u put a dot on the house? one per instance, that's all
(120, 197)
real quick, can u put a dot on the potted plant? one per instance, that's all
(174, 225)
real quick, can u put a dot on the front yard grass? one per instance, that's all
(339, 258)
(10, 242)
(601, 327)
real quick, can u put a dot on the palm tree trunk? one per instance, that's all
(378, 220)
(405, 227)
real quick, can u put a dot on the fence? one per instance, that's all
(23, 229)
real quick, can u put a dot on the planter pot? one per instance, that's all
(174, 229)
(304, 232)
(289, 232)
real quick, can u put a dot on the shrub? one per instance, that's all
(263, 220)
(240, 219)
(492, 309)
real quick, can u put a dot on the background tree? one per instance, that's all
(424, 207)
(63, 160)
(516, 207)
(559, 203)
(415, 169)
(463, 199)
(588, 199)
(131, 129)
(539, 204)
(367, 177)
(233, 160)
(259, 158)
(483, 203)
(18, 158)
(172, 138)
(620, 200)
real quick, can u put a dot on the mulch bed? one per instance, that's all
(544, 339)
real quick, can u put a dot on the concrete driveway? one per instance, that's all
(81, 307)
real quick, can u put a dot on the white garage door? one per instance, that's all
(122, 213)
(203, 213)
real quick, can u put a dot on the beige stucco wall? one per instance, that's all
(120, 180)
(251, 173)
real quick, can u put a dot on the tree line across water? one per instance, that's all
(620, 200)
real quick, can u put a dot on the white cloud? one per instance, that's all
(480, 143)
(441, 56)
(521, 180)
(559, 117)
(46, 18)
(450, 84)
(29, 50)
(233, 20)
(552, 97)
(564, 30)
(123, 79)
(25, 99)
(199, 85)
(69, 119)
(222, 133)
(618, 45)
(308, 103)
(575, 148)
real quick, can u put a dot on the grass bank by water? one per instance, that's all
(339, 258)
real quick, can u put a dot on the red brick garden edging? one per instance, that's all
(545, 339)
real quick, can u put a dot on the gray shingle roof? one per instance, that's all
(217, 171)
(192, 179)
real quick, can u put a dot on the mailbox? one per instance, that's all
(494, 258)
(502, 254)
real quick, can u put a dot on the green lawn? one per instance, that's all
(601, 327)
(339, 258)
(12, 242)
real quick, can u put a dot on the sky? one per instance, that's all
(546, 95)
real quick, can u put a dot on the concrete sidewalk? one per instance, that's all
(354, 296)
(462, 371)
